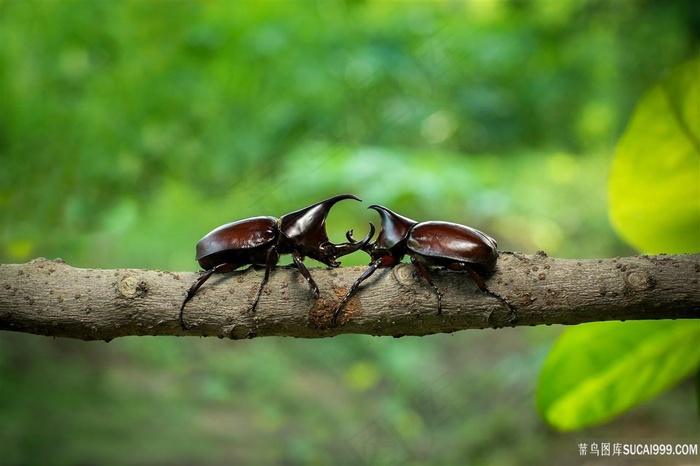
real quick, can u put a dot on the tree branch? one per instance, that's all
(51, 298)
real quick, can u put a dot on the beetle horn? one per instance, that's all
(306, 230)
(395, 227)
(307, 226)
(353, 245)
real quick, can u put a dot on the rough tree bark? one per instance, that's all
(51, 298)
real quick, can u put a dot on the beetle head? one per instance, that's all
(393, 235)
(305, 231)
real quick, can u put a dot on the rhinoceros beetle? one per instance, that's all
(429, 244)
(261, 240)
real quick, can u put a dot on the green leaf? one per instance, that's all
(598, 370)
(655, 177)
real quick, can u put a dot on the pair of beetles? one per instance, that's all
(261, 240)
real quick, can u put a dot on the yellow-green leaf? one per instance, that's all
(598, 370)
(655, 177)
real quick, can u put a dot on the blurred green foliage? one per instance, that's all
(105, 103)
(655, 204)
(130, 129)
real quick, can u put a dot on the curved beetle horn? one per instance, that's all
(395, 227)
(353, 245)
(306, 230)
(307, 226)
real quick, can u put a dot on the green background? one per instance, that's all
(130, 129)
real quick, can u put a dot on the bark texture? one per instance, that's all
(51, 298)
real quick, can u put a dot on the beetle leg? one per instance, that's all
(476, 277)
(298, 261)
(272, 258)
(365, 275)
(482, 286)
(200, 281)
(424, 272)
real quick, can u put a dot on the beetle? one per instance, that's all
(261, 241)
(429, 244)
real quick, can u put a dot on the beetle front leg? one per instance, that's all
(305, 272)
(424, 272)
(365, 275)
